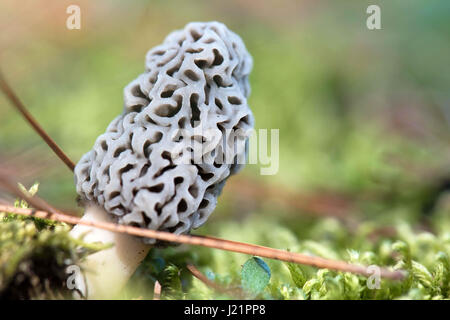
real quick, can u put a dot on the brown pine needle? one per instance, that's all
(209, 283)
(15, 101)
(215, 243)
(12, 187)
(200, 276)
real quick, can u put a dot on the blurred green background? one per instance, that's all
(363, 115)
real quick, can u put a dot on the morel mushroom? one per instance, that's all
(163, 162)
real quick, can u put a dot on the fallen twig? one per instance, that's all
(15, 101)
(210, 242)
(200, 276)
(36, 202)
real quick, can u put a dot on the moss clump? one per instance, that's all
(34, 254)
(425, 257)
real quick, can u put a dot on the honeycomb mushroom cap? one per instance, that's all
(198, 78)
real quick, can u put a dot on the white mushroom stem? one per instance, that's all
(106, 272)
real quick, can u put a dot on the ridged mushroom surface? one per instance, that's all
(162, 163)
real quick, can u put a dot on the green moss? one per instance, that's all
(424, 256)
(361, 114)
(34, 254)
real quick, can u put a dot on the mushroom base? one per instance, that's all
(106, 272)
